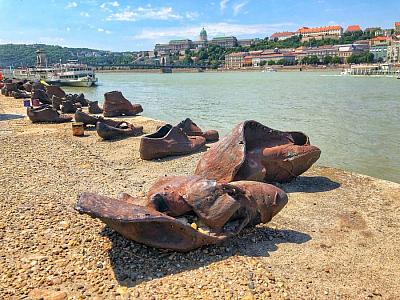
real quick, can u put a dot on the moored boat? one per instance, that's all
(70, 74)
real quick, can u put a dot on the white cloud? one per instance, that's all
(238, 7)
(213, 29)
(71, 5)
(222, 4)
(50, 40)
(193, 15)
(145, 13)
(84, 14)
(107, 6)
(103, 30)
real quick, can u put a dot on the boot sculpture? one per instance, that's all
(94, 107)
(123, 129)
(183, 213)
(56, 102)
(68, 107)
(169, 141)
(46, 114)
(53, 90)
(86, 119)
(191, 129)
(115, 104)
(252, 151)
(41, 95)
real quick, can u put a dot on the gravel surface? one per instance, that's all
(338, 238)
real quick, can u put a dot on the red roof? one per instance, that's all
(282, 34)
(397, 24)
(380, 38)
(318, 29)
(352, 28)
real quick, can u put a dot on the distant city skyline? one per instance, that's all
(138, 25)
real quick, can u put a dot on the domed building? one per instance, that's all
(203, 35)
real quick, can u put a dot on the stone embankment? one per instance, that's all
(338, 237)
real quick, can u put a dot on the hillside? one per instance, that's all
(25, 55)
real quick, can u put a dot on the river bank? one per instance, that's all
(337, 68)
(336, 239)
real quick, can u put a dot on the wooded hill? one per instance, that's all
(18, 55)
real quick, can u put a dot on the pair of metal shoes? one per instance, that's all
(108, 129)
(46, 114)
(226, 194)
(186, 212)
(168, 140)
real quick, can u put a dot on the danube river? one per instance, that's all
(355, 121)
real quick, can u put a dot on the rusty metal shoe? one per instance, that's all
(53, 90)
(94, 107)
(169, 141)
(252, 151)
(115, 104)
(143, 225)
(68, 107)
(123, 129)
(56, 102)
(86, 119)
(46, 114)
(191, 129)
(214, 211)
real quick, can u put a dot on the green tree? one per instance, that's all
(327, 60)
(313, 60)
(336, 60)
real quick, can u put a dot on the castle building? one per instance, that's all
(319, 33)
(203, 36)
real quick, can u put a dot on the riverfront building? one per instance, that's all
(235, 60)
(393, 52)
(380, 53)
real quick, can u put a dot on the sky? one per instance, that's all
(124, 25)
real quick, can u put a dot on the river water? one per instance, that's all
(355, 121)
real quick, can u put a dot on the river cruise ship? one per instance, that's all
(72, 73)
(69, 74)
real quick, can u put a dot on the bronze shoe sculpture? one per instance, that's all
(41, 95)
(68, 107)
(86, 119)
(168, 141)
(122, 129)
(46, 114)
(252, 151)
(56, 102)
(210, 212)
(191, 129)
(94, 107)
(115, 104)
(53, 90)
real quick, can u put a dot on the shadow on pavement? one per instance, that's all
(6, 117)
(134, 263)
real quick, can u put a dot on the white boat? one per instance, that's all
(268, 70)
(75, 74)
(71, 74)
(36, 74)
(345, 72)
